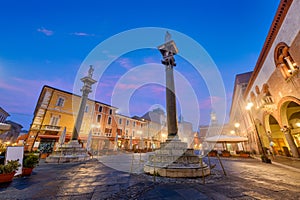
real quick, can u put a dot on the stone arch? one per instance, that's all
(290, 117)
(257, 90)
(262, 132)
(276, 139)
(252, 97)
(267, 97)
(266, 120)
(284, 61)
(282, 105)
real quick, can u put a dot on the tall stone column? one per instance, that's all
(73, 151)
(88, 81)
(168, 50)
(173, 158)
(289, 138)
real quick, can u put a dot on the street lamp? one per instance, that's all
(264, 156)
(237, 125)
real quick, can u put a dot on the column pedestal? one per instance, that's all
(69, 152)
(293, 147)
(175, 160)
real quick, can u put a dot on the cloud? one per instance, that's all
(125, 63)
(209, 101)
(45, 31)
(148, 60)
(82, 34)
(20, 95)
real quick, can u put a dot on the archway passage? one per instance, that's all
(290, 118)
(293, 116)
(277, 139)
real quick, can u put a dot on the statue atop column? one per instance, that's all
(173, 159)
(167, 37)
(73, 151)
(91, 71)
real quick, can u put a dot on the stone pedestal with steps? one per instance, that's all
(174, 159)
(69, 152)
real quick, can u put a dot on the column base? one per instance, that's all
(69, 152)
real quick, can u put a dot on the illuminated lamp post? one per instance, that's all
(264, 156)
(236, 125)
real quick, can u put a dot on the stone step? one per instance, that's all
(172, 159)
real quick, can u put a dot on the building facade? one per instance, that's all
(240, 125)
(272, 96)
(4, 127)
(56, 109)
(3, 115)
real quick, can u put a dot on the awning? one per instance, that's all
(226, 138)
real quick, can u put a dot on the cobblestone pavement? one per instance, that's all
(246, 179)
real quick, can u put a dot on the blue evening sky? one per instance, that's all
(45, 42)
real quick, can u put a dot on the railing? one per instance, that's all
(51, 128)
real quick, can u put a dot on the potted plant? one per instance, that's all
(265, 159)
(225, 153)
(213, 153)
(8, 170)
(29, 162)
(245, 154)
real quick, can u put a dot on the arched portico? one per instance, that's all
(290, 117)
(277, 140)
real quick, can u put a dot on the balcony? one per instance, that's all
(51, 128)
(4, 127)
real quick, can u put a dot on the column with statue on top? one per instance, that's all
(73, 151)
(174, 158)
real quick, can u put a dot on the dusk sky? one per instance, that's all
(45, 42)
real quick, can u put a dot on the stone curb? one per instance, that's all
(279, 164)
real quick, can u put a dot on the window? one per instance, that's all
(98, 118)
(100, 109)
(108, 132)
(86, 109)
(60, 102)
(132, 133)
(120, 121)
(109, 120)
(110, 111)
(127, 122)
(284, 61)
(119, 132)
(133, 124)
(54, 120)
